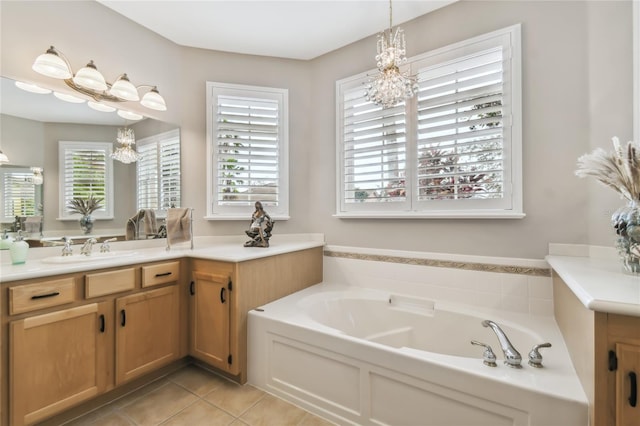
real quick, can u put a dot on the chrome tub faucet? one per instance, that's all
(511, 356)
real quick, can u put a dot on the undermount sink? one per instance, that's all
(81, 258)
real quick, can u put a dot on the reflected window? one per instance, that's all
(158, 172)
(18, 194)
(86, 169)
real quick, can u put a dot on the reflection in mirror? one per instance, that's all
(31, 125)
(20, 195)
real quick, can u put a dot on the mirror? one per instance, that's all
(31, 126)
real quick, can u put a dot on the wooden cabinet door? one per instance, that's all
(627, 376)
(56, 361)
(146, 332)
(209, 338)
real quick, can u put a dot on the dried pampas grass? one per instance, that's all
(618, 169)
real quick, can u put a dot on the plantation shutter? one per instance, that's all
(247, 150)
(460, 128)
(85, 170)
(19, 194)
(85, 174)
(158, 172)
(374, 150)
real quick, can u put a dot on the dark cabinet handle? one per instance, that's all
(123, 317)
(163, 274)
(44, 296)
(222, 292)
(102, 324)
(633, 394)
(192, 288)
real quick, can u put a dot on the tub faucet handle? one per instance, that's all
(488, 357)
(535, 358)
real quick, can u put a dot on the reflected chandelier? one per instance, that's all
(391, 86)
(89, 81)
(126, 153)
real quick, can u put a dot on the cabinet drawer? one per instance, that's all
(31, 297)
(160, 274)
(103, 283)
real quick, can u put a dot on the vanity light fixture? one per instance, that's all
(89, 81)
(3, 158)
(38, 179)
(391, 86)
(100, 107)
(126, 153)
(68, 98)
(33, 88)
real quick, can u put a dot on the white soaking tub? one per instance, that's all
(360, 356)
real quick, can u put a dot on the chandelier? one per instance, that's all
(125, 153)
(391, 86)
(89, 81)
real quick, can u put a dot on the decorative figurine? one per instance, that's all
(260, 229)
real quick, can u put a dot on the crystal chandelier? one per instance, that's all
(125, 152)
(391, 86)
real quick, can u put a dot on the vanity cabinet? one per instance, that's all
(70, 338)
(57, 361)
(146, 332)
(210, 300)
(605, 350)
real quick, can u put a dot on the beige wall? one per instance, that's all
(576, 94)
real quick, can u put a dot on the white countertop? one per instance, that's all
(595, 276)
(226, 249)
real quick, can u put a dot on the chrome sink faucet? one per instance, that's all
(67, 250)
(511, 356)
(87, 246)
(105, 247)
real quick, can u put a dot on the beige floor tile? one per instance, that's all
(114, 419)
(138, 393)
(273, 411)
(233, 398)
(159, 404)
(196, 380)
(91, 417)
(313, 420)
(200, 413)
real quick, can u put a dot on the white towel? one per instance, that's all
(178, 225)
(148, 216)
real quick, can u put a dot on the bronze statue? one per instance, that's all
(260, 229)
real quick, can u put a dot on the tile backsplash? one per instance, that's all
(524, 286)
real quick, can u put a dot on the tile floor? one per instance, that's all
(193, 396)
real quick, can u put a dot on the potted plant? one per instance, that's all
(85, 207)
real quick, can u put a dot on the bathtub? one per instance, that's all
(368, 357)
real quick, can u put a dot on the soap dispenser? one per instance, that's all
(5, 241)
(18, 250)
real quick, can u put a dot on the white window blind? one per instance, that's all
(19, 194)
(158, 171)
(86, 169)
(248, 143)
(374, 150)
(453, 150)
(460, 129)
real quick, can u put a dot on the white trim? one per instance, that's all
(441, 214)
(236, 212)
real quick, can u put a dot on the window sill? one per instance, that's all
(77, 218)
(496, 214)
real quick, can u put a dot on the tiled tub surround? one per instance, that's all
(514, 285)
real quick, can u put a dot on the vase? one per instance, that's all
(86, 223)
(626, 222)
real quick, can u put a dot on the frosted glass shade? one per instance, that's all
(52, 65)
(33, 88)
(153, 100)
(129, 115)
(124, 89)
(68, 98)
(90, 78)
(100, 107)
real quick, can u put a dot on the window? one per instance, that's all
(453, 150)
(85, 168)
(158, 172)
(247, 132)
(19, 195)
